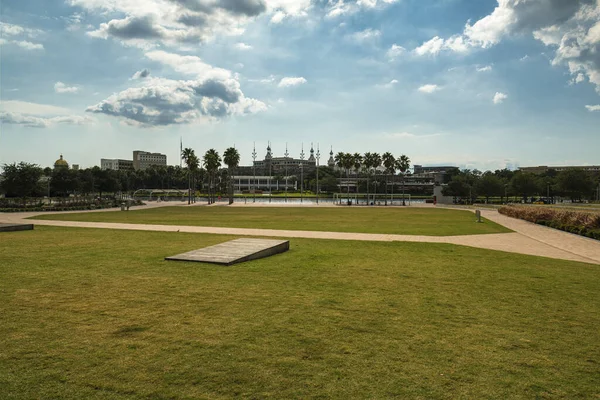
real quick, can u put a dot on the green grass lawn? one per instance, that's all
(408, 221)
(88, 313)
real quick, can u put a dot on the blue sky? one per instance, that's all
(480, 84)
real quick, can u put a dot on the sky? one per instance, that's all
(483, 84)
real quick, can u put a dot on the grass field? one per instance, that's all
(407, 221)
(88, 313)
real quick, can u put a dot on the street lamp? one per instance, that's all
(254, 171)
(301, 172)
(318, 157)
(286, 154)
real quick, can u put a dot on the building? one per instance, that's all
(144, 159)
(419, 169)
(281, 165)
(61, 163)
(116, 164)
(543, 168)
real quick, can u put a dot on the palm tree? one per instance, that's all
(376, 164)
(368, 163)
(188, 154)
(231, 157)
(194, 163)
(211, 162)
(339, 158)
(357, 161)
(403, 164)
(388, 162)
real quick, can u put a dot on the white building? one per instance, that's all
(144, 159)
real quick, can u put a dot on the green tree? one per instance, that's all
(389, 163)
(21, 180)
(489, 185)
(575, 183)
(524, 184)
(403, 165)
(189, 158)
(231, 157)
(211, 162)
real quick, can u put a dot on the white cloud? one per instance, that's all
(243, 46)
(32, 121)
(572, 27)
(524, 58)
(367, 35)
(189, 65)
(213, 94)
(429, 88)
(593, 108)
(278, 17)
(390, 84)
(433, 47)
(291, 81)
(163, 102)
(487, 68)
(24, 44)
(408, 135)
(395, 51)
(149, 23)
(499, 98)
(343, 8)
(24, 107)
(60, 87)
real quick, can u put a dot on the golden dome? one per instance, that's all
(61, 162)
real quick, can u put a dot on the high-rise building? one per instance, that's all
(144, 159)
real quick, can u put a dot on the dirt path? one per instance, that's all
(527, 238)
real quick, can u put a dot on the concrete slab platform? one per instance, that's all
(15, 227)
(234, 251)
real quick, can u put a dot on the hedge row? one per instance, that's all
(579, 222)
(38, 209)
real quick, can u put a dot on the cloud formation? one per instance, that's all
(571, 27)
(429, 88)
(395, 52)
(33, 121)
(593, 108)
(18, 36)
(499, 98)
(292, 81)
(163, 102)
(60, 87)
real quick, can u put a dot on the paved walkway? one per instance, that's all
(527, 238)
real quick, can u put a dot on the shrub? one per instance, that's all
(582, 223)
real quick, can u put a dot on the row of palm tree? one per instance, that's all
(211, 163)
(369, 162)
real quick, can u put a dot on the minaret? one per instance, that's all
(331, 161)
(268, 159)
(311, 159)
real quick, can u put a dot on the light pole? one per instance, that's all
(286, 154)
(318, 157)
(270, 183)
(301, 172)
(254, 172)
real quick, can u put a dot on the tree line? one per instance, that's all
(574, 184)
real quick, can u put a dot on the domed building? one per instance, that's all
(61, 163)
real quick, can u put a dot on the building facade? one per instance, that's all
(419, 169)
(116, 164)
(282, 165)
(144, 159)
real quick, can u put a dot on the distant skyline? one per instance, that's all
(487, 84)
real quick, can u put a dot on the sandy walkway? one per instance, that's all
(528, 238)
